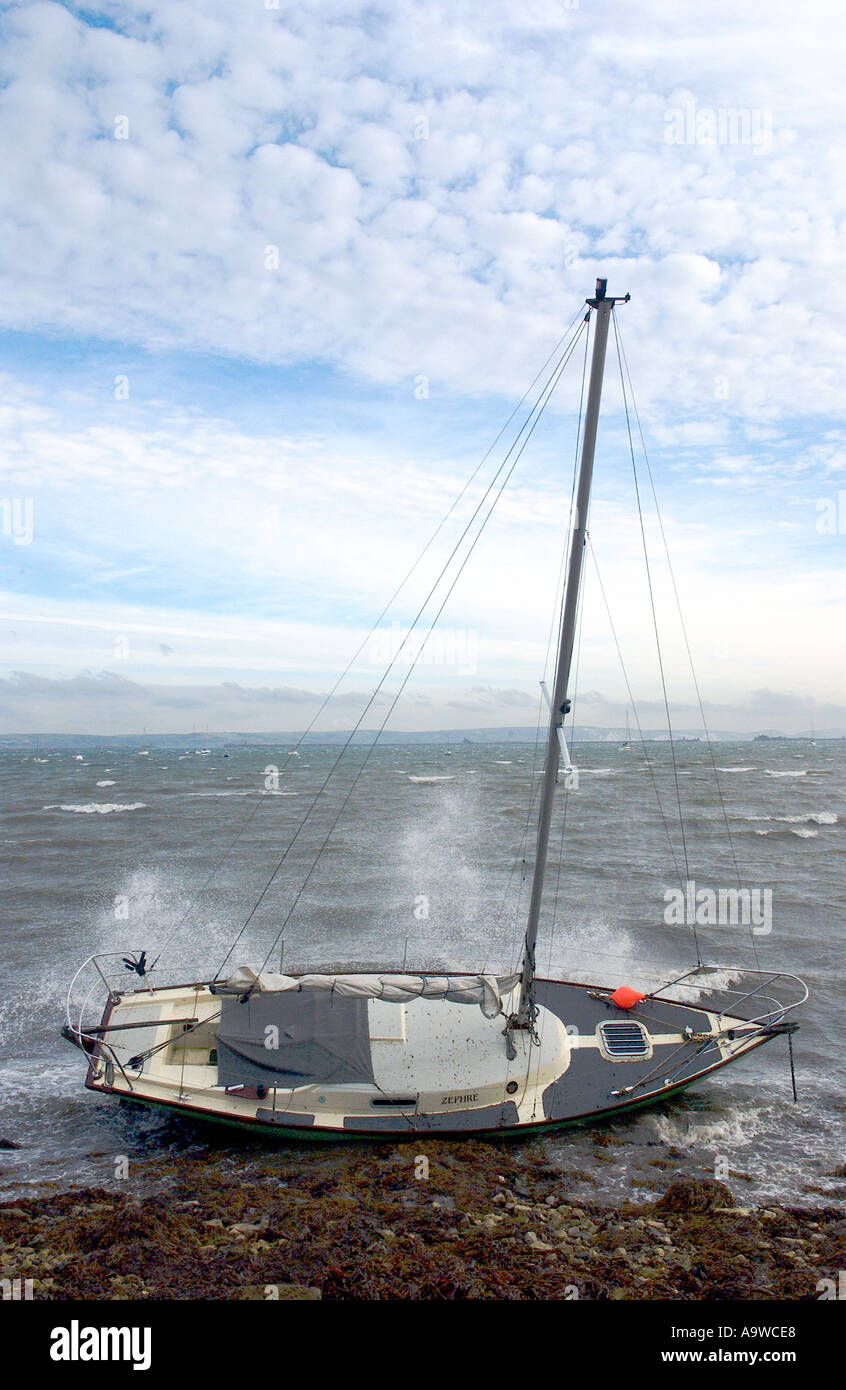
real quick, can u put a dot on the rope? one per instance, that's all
(655, 629)
(649, 763)
(792, 1067)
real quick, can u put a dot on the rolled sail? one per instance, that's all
(485, 990)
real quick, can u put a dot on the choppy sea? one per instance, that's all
(169, 851)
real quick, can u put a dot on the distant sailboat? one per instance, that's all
(390, 1053)
(627, 746)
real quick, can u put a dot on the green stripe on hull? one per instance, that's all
(281, 1132)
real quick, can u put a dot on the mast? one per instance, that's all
(602, 306)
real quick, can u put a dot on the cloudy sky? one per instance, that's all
(272, 278)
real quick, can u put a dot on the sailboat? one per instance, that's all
(627, 745)
(391, 1053)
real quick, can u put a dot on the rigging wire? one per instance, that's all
(655, 626)
(566, 806)
(706, 730)
(549, 390)
(647, 758)
(530, 424)
(397, 591)
(541, 724)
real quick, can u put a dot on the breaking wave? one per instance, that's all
(252, 791)
(802, 832)
(815, 817)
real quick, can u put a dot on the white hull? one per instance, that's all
(436, 1066)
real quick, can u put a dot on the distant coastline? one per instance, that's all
(505, 734)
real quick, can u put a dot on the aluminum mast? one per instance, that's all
(603, 306)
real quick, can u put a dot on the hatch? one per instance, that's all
(624, 1042)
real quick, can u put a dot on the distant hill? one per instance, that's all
(503, 734)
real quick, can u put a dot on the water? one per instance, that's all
(115, 850)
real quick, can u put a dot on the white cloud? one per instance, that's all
(459, 254)
(442, 183)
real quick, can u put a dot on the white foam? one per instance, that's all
(815, 817)
(770, 773)
(735, 769)
(107, 783)
(735, 1131)
(251, 791)
(715, 981)
(431, 779)
(101, 808)
(803, 834)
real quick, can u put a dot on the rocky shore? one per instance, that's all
(430, 1221)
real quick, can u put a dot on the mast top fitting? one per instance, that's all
(601, 296)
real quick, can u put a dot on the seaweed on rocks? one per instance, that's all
(448, 1220)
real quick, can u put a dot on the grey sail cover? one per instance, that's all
(485, 990)
(297, 1038)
